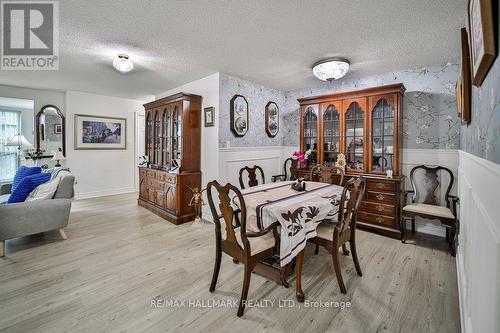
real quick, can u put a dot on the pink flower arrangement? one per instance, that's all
(299, 156)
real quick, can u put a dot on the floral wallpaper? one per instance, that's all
(482, 136)
(257, 97)
(430, 118)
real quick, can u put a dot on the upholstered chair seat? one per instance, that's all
(431, 210)
(257, 244)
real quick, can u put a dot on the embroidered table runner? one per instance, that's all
(298, 213)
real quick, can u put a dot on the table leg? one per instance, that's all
(298, 277)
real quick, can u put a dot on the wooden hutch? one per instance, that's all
(173, 137)
(366, 126)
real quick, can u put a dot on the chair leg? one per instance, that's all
(345, 250)
(402, 227)
(244, 291)
(316, 251)
(62, 233)
(2, 248)
(413, 225)
(218, 255)
(352, 245)
(336, 267)
(451, 241)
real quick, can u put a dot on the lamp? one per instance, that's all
(20, 142)
(123, 64)
(58, 156)
(331, 69)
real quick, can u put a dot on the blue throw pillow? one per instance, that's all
(22, 172)
(26, 185)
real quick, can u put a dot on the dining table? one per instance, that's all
(296, 214)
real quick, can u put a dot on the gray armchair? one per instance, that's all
(27, 218)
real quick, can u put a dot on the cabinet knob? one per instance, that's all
(380, 185)
(380, 196)
(379, 219)
(380, 208)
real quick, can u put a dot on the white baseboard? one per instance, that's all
(103, 193)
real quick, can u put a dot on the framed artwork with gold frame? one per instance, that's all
(482, 39)
(464, 101)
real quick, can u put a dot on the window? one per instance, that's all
(10, 124)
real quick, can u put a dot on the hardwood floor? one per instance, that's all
(118, 257)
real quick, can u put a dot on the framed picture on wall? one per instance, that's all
(482, 39)
(96, 132)
(458, 94)
(465, 80)
(209, 116)
(239, 115)
(272, 119)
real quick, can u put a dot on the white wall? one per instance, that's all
(208, 89)
(101, 172)
(478, 255)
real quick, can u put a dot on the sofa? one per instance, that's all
(28, 218)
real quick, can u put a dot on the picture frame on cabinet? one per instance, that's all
(209, 116)
(482, 39)
(465, 80)
(272, 116)
(239, 115)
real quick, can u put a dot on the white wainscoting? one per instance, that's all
(430, 157)
(478, 255)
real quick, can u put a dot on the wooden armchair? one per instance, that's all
(326, 174)
(425, 203)
(243, 246)
(332, 236)
(287, 172)
(252, 176)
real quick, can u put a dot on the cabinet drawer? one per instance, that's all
(375, 219)
(150, 173)
(372, 207)
(160, 176)
(170, 179)
(380, 197)
(381, 186)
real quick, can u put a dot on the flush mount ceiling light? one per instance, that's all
(123, 64)
(331, 69)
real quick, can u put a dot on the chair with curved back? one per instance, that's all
(242, 245)
(287, 172)
(326, 174)
(252, 176)
(425, 182)
(333, 235)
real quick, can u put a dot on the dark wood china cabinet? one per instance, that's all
(173, 140)
(366, 126)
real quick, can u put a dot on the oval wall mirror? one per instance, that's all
(50, 130)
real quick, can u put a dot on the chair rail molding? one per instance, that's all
(478, 252)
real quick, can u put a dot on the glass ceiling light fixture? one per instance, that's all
(123, 64)
(331, 69)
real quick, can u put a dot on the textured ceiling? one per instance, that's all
(269, 42)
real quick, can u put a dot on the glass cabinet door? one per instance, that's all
(149, 135)
(166, 137)
(176, 133)
(310, 135)
(157, 134)
(382, 137)
(331, 135)
(354, 137)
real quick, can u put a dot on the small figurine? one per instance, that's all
(340, 162)
(388, 172)
(143, 160)
(197, 202)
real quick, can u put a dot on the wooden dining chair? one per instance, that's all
(326, 174)
(333, 235)
(252, 176)
(287, 172)
(425, 203)
(243, 246)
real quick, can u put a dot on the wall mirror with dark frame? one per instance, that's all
(50, 130)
